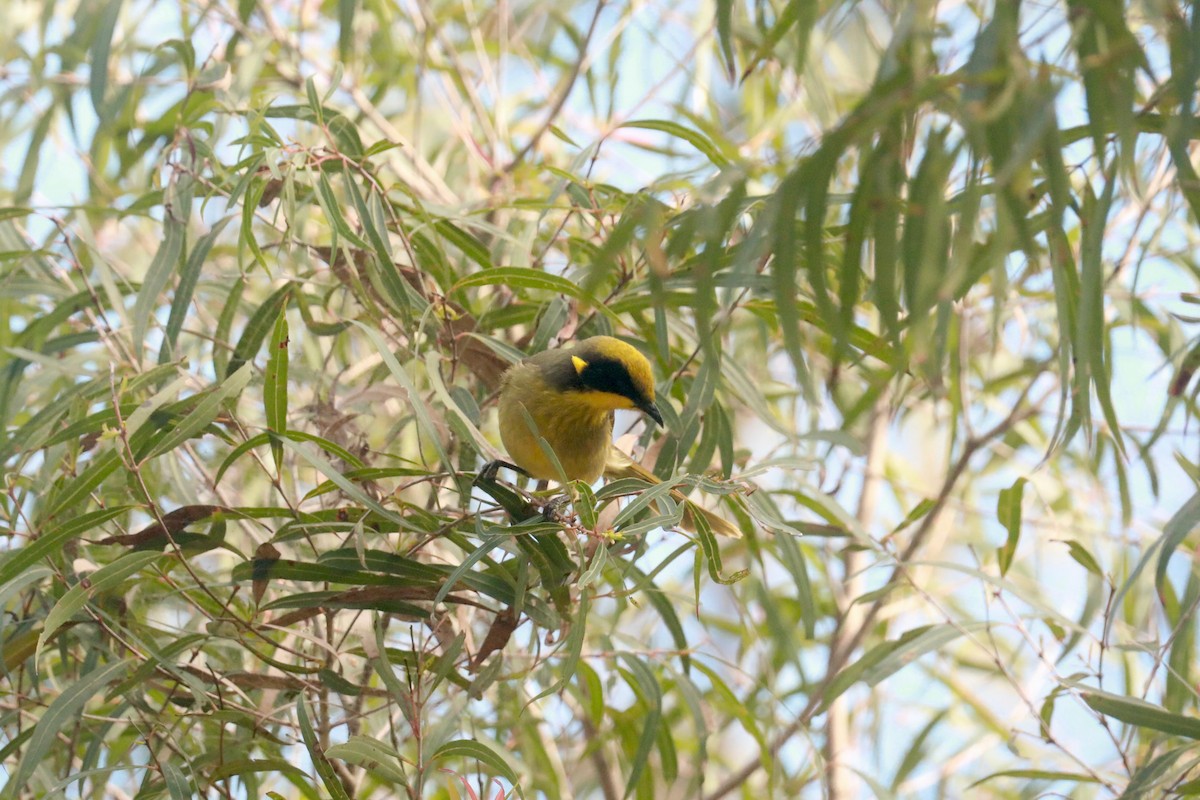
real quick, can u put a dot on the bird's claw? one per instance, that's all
(552, 510)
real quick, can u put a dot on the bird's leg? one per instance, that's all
(486, 477)
(519, 503)
(489, 470)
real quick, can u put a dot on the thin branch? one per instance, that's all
(840, 657)
(561, 100)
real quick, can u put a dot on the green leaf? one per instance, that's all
(320, 761)
(287, 569)
(295, 436)
(332, 207)
(470, 246)
(177, 783)
(694, 138)
(885, 659)
(479, 751)
(1008, 511)
(802, 12)
(525, 278)
(221, 355)
(260, 324)
(101, 41)
(275, 386)
(82, 593)
(725, 36)
(1084, 558)
(1091, 338)
(203, 414)
(166, 261)
(346, 38)
(645, 685)
(1026, 775)
(919, 511)
(490, 543)
(1142, 714)
(186, 289)
(1181, 524)
(373, 755)
(52, 539)
(63, 711)
(246, 768)
(79, 490)
(712, 553)
(422, 411)
(794, 561)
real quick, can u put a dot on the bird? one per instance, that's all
(568, 395)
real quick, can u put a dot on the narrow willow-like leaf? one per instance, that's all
(204, 413)
(102, 36)
(188, 278)
(221, 351)
(489, 544)
(165, 262)
(51, 540)
(1181, 524)
(62, 711)
(479, 751)
(78, 490)
(254, 190)
(725, 36)
(572, 649)
(328, 470)
(796, 13)
(712, 553)
(346, 38)
(373, 755)
(176, 782)
(80, 594)
(1026, 775)
(319, 760)
(1008, 512)
(794, 561)
(470, 246)
(247, 769)
(692, 137)
(646, 686)
(727, 700)
(275, 386)
(286, 569)
(525, 278)
(1142, 714)
(1157, 771)
(883, 660)
(1182, 656)
(261, 323)
(1091, 338)
(296, 436)
(420, 408)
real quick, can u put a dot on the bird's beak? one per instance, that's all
(653, 412)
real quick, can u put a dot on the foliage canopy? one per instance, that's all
(915, 279)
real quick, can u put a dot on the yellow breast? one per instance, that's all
(578, 431)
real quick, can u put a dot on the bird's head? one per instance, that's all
(611, 374)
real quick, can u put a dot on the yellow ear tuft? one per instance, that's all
(580, 364)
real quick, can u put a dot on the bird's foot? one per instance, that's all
(554, 510)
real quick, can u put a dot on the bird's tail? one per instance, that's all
(622, 466)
